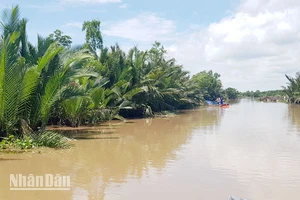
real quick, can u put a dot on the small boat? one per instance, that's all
(211, 102)
(224, 105)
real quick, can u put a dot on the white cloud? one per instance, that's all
(146, 27)
(249, 37)
(89, 1)
(123, 6)
(251, 49)
(259, 6)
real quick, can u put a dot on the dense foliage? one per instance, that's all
(55, 83)
(33, 79)
(292, 90)
(232, 93)
(209, 84)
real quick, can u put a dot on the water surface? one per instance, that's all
(251, 150)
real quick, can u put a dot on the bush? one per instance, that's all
(12, 142)
(30, 141)
(50, 139)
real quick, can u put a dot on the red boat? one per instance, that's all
(224, 106)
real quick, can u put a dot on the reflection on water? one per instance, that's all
(246, 150)
(294, 118)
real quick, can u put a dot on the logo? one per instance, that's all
(45, 182)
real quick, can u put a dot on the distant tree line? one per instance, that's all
(258, 93)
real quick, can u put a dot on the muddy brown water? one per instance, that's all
(250, 150)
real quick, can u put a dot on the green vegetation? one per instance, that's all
(12, 142)
(258, 94)
(292, 90)
(50, 139)
(209, 84)
(30, 141)
(289, 93)
(55, 83)
(232, 93)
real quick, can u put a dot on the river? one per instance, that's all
(249, 150)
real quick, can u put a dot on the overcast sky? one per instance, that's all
(251, 43)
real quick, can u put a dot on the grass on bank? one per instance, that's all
(30, 141)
